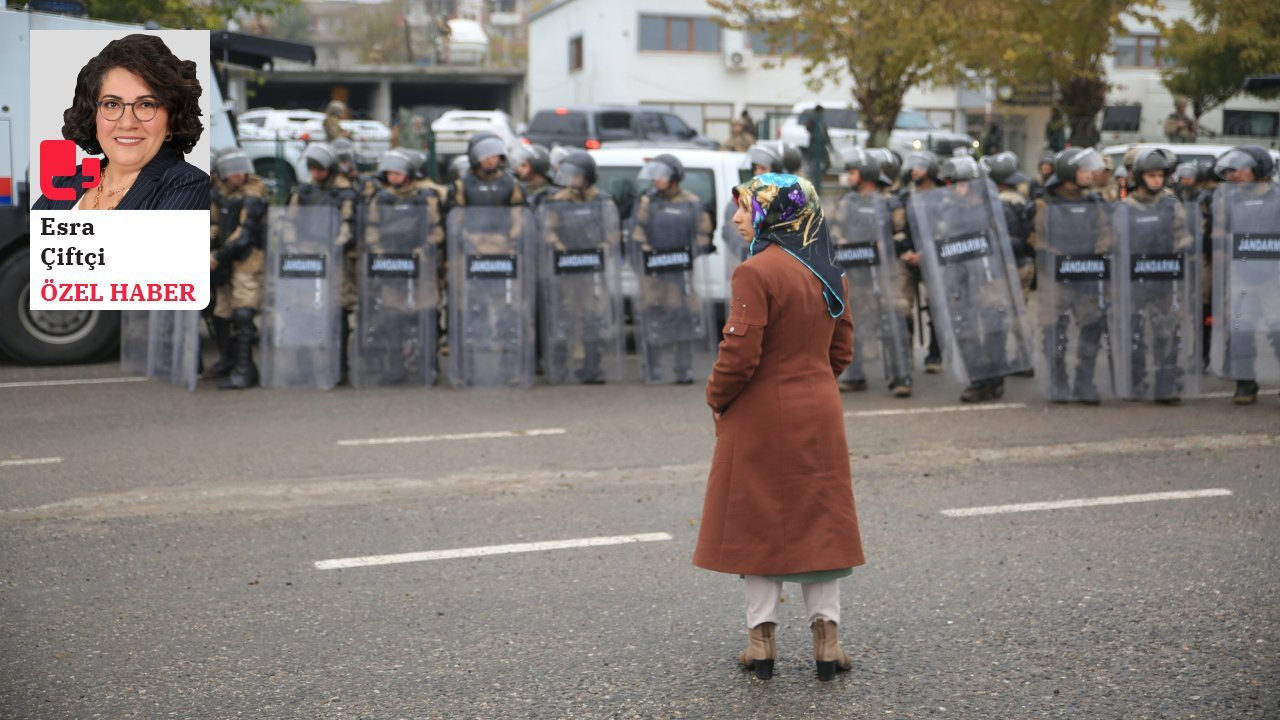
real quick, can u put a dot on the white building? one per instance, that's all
(673, 54)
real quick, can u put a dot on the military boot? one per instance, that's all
(762, 650)
(222, 339)
(244, 374)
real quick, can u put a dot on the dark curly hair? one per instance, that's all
(174, 82)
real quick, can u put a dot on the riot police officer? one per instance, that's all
(1073, 239)
(345, 152)
(1157, 284)
(920, 169)
(862, 245)
(1246, 221)
(669, 224)
(488, 183)
(400, 240)
(327, 187)
(764, 157)
(1019, 213)
(533, 169)
(237, 235)
(580, 306)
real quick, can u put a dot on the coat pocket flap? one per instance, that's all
(735, 327)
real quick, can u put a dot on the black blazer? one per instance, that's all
(168, 182)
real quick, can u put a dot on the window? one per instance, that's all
(1250, 123)
(555, 122)
(575, 53)
(1137, 51)
(679, 34)
(614, 125)
(1122, 118)
(761, 44)
(676, 126)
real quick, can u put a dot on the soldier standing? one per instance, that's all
(581, 240)
(237, 233)
(739, 139)
(1019, 213)
(670, 226)
(1073, 237)
(1159, 274)
(1246, 248)
(334, 114)
(922, 175)
(396, 325)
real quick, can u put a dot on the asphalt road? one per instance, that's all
(159, 557)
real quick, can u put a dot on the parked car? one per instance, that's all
(708, 174)
(275, 139)
(454, 128)
(911, 131)
(591, 127)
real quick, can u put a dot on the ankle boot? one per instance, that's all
(761, 650)
(244, 374)
(827, 653)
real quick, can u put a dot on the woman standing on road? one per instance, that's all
(779, 504)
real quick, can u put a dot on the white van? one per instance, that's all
(709, 174)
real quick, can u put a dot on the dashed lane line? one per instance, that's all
(30, 461)
(1086, 502)
(82, 381)
(540, 432)
(487, 550)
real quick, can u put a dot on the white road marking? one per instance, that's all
(541, 432)
(931, 410)
(31, 461)
(1086, 502)
(1213, 395)
(488, 550)
(84, 381)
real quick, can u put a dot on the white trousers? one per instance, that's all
(821, 600)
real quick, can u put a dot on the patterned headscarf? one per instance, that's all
(785, 212)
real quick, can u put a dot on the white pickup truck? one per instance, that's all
(912, 131)
(275, 140)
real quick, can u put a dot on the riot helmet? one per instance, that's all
(536, 155)
(921, 160)
(577, 170)
(1187, 171)
(344, 151)
(1071, 161)
(418, 159)
(1245, 157)
(320, 155)
(485, 145)
(764, 154)
(394, 160)
(960, 168)
(1002, 167)
(890, 162)
(1150, 159)
(663, 167)
(233, 161)
(557, 156)
(459, 167)
(868, 165)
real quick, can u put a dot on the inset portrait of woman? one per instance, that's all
(137, 104)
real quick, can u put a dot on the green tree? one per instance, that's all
(1026, 42)
(1207, 61)
(886, 46)
(209, 15)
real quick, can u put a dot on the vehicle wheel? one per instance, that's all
(50, 337)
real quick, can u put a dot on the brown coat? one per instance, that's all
(779, 497)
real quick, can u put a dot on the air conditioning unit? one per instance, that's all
(737, 54)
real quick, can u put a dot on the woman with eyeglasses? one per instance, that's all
(138, 104)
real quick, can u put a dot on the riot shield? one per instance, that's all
(975, 297)
(1157, 301)
(1075, 267)
(672, 322)
(862, 245)
(581, 298)
(394, 341)
(134, 339)
(173, 347)
(300, 304)
(491, 291)
(1246, 282)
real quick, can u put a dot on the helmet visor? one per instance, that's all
(1090, 161)
(1232, 161)
(570, 175)
(488, 147)
(656, 171)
